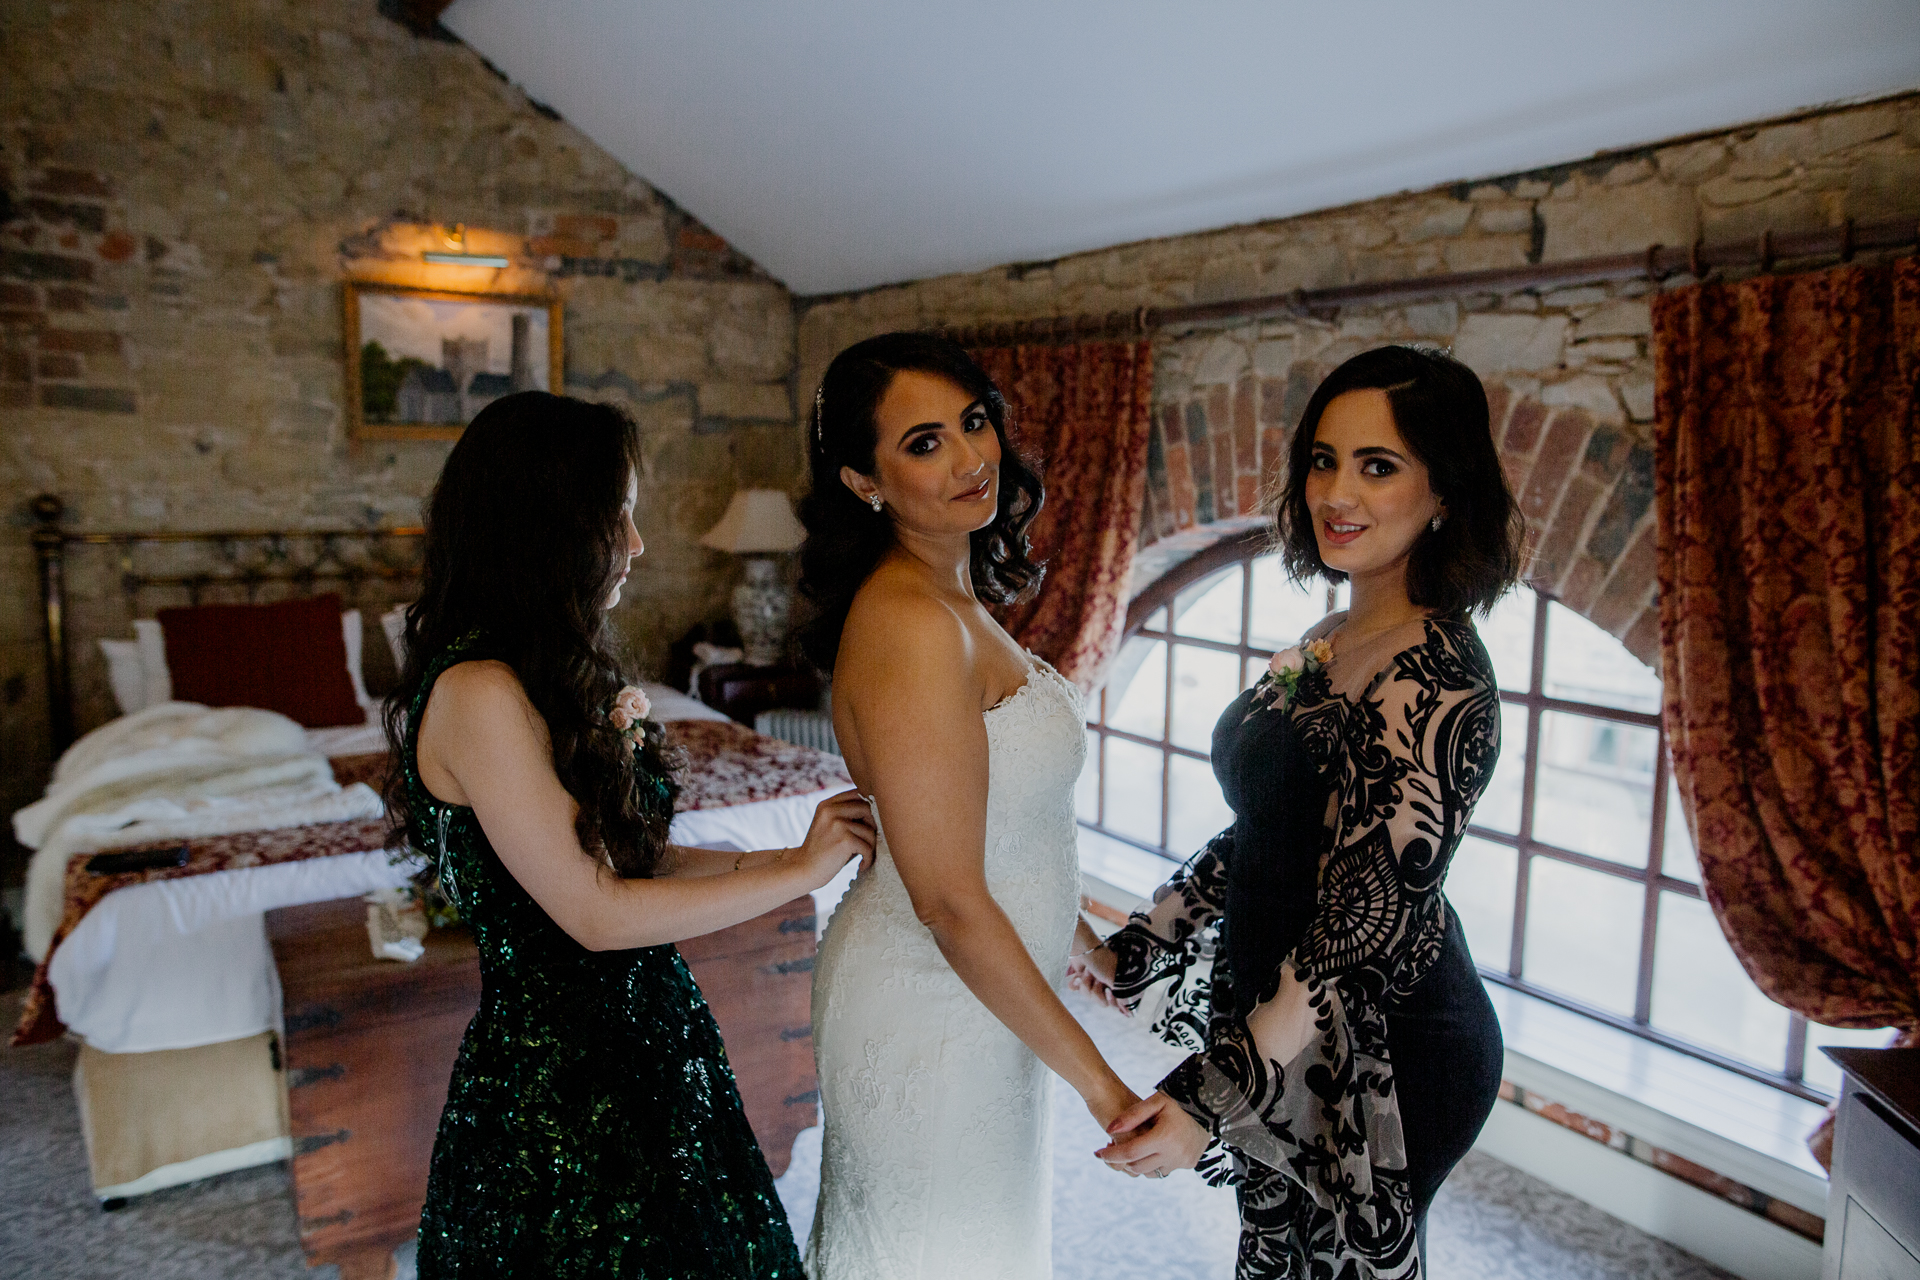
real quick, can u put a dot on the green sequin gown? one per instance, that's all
(592, 1126)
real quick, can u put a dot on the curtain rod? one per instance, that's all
(1653, 264)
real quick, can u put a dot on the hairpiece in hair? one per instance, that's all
(820, 417)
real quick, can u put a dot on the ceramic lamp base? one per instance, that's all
(760, 608)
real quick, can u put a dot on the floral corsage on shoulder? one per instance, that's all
(629, 711)
(628, 715)
(1289, 667)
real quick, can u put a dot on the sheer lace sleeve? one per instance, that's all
(1171, 941)
(1304, 1085)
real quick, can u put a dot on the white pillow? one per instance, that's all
(153, 660)
(352, 633)
(671, 704)
(137, 668)
(394, 623)
(124, 674)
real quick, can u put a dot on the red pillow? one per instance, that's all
(288, 657)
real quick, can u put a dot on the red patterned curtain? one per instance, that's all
(1083, 412)
(1789, 551)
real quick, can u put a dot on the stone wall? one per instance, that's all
(188, 183)
(1569, 372)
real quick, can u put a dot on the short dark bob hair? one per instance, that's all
(845, 536)
(1440, 409)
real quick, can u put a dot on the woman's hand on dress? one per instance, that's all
(1090, 968)
(842, 830)
(1154, 1138)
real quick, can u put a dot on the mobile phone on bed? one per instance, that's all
(125, 860)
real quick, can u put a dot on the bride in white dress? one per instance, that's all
(936, 1013)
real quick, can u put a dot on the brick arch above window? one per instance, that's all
(1585, 486)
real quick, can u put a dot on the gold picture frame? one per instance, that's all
(489, 344)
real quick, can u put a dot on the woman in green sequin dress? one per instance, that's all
(592, 1126)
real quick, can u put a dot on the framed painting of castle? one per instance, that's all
(422, 362)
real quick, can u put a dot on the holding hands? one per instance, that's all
(1154, 1137)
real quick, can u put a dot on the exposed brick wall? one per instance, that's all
(1569, 372)
(1577, 459)
(65, 260)
(185, 187)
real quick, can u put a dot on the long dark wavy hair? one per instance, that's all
(524, 543)
(1440, 409)
(845, 536)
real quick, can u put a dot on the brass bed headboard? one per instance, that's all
(225, 562)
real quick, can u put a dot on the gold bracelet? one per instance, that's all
(742, 858)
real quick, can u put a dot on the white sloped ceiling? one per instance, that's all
(849, 143)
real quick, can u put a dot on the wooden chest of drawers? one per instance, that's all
(370, 1045)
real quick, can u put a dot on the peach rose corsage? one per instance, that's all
(1285, 672)
(630, 708)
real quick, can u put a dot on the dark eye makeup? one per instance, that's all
(1377, 466)
(925, 438)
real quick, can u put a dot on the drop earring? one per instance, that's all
(875, 502)
(1433, 525)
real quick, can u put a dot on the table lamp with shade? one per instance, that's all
(759, 525)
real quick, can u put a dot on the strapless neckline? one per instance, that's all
(1036, 667)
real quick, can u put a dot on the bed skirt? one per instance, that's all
(154, 1120)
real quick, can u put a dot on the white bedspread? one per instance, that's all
(173, 771)
(175, 964)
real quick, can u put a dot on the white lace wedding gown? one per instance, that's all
(937, 1158)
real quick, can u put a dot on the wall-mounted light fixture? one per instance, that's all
(457, 255)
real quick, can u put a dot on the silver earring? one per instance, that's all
(1433, 525)
(875, 502)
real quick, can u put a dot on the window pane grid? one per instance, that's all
(1653, 879)
(1626, 871)
(1623, 757)
(1158, 744)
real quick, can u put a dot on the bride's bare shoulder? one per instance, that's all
(898, 628)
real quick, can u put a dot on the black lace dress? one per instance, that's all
(1345, 1054)
(592, 1127)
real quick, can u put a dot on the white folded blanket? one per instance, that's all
(173, 771)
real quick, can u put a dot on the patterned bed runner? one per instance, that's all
(726, 764)
(38, 1021)
(729, 764)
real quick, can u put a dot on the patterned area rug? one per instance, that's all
(1491, 1222)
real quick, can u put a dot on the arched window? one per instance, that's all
(1577, 880)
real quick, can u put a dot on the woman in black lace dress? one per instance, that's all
(592, 1126)
(1345, 1054)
